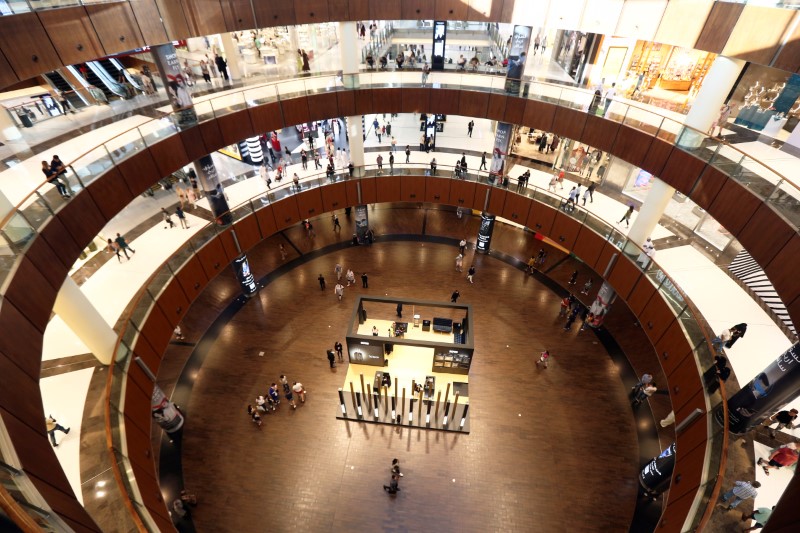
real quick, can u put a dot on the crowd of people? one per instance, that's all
(269, 402)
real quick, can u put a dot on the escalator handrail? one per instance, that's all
(137, 83)
(105, 77)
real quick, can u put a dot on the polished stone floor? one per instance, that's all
(545, 445)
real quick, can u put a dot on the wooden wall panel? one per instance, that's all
(497, 107)
(341, 9)
(733, 206)
(696, 400)
(174, 18)
(369, 191)
(238, 15)
(600, 133)
(382, 10)
(485, 10)
(7, 75)
(110, 194)
(569, 123)
(689, 466)
(173, 302)
(539, 115)
(765, 234)
(672, 348)
(497, 200)
(565, 230)
(682, 170)
(675, 514)
(609, 251)
(157, 329)
(655, 318)
(334, 197)
(479, 200)
(657, 156)
(265, 117)
(309, 203)
(193, 144)
(719, 24)
(473, 104)
(358, 10)
(286, 213)
(247, 232)
(82, 219)
(540, 218)
(788, 57)
(266, 221)
(388, 189)
(148, 19)
(212, 258)
(758, 33)
(412, 188)
(212, 136)
(623, 276)
(445, 101)
(451, 10)
(640, 295)
(588, 246)
(311, 11)
(415, 100)
(707, 187)
(323, 106)
(270, 14)
(781, 270)
(139, 171)
(192, 278)
(72, 34)
(364, 102)
(515, 108)
(116, 26)
(168, 155)
(205, 17)
(461, 193)
(387, 100)
(417, 10)
(24, 386)
(65, 248)
(631, 145)
(437, 190)
(228, 244)
(25, 45)
(42, 255)
(696, 434)
(235, 127)
(517, 208)
(63, 504)
(347, 103)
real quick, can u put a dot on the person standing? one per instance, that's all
(742, 490)
(379, 160)
(785, 419)
(222, 66)
(399, 310)
(483, 162)
(587, 287)
(544, 359)
(392, 487)
(321, 280)
(338, 347)
(395, 468)
(338, 271)
(181, 217)
(573, 279)
(306, 65)
(331, 358)
(760, 515)
(52, 177)
(783, 456)
(408, 154)
(462, 246)
(364, 280)
(470, 127)
(426, 70)
(719, 341)
(298, 389)
(610, 94)
(647, 390)
(282, 250)
(589, 192)
(120, 240)
(627, 217)
(287, 391)
(454, 296)
(572, 317)
(350, 277)
(165, 216)
(433, 166)
(304, 159)
(459, 263)
(471, 273)
(52, 427)
(114, 247)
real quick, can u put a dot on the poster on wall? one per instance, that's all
(502, 143)
(362, 223)
(164, 411)
(169, 67)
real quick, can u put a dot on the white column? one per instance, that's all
(355, 135)
(348, 47)
(232, 55)
(653, 207)
(85, 321)
(717, 85)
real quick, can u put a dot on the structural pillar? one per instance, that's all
(169, 68)
(232, 55)
(717, 85)
(355, 136)
(85, 321)
(653, 208)
(348, 47)
(209, 181)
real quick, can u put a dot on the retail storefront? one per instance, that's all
(670, 68)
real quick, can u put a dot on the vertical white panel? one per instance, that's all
(531, 13)
(565, 14)
(641, 18)
(601, 16)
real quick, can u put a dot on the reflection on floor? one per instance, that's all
(63, 397)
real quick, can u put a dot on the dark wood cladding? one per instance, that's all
(139, 171)
(322, 106)
(623, 276)
(110, 194)
(412, 188)
(682, 170)
(383, 10)
(765, 234)
(788, 57)
(708, 187)
(274, 14)
(473, 104)
(334, 199)
(390, 100)
(781, 270)
(588, 246)
(192, 278)
(72, 34)
(515, 108)
(341, 10)
(236, 126)
(718, 27)
(7, 76)
(116, 26)
(266, 221)
(174, 20)
(26, 45)
(265, 117)
(173, 302)
(565, 230)
(238, 15)
(486, 10)
(516, 208)
(451, 10)
(286, 213)
(148, 18)
(415, 100)
(656, 316)
(193, 144)
(437, 190)
(369, 191)
(540, 113)
(247, 233)
(169, 155)
(569, 122)
(387, 188)
(417, 10)
(497, 200)
(363, 102)
(445, 101)
(657, 156)
(631, 145)
(672, 348)
(81, 218)
(212, 258)
(462, 193)
(640, 295)
(311, 11)
(309, 203)
(600, 133)
(540, 218)
(204, 17)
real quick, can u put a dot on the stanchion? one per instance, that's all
(402, 408)
(438, 397)
(376, 395)
(369, 397)
(446, 412)
(353, 395)
(464, 416)
(341, 402)
(358, 404)
(428, 415)
(385, 400)
(419, 414)
(363, 392)
(447, 394)
(455, 406)
(411, 408)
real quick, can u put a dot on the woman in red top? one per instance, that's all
(783, 456)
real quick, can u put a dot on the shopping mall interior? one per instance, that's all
(564, 231)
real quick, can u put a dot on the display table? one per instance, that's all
(773, 127)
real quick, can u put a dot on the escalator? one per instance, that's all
(94, 79)
(57, 80)
(133, 79)
(110, 67)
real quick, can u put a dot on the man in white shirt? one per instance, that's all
(610, 94)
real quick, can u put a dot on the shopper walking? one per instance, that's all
(544, 359)
(462, 246)
(459, 263)
(338, 290)
(399, 310)
(573, 279)
(483, 162)
(610, 94)
(298, 389)
(120, 240)
(426, 71)
(181, 217)
(742, 490)
(760, 515)
(282, 250)
(364, 280)
(350, 277)
(783, 456)
(433, 166)
(454, 296)
(589, 192)
(167, 219)
(338, 347)
(52, 427)
(392, 487)
(321, 280)
(287, 391)
(627, 217)
(470, 127)
(379, 160)
(254, 417)
(785, 419)
(222, 66)
(471, 273)
(331, 358)
(587, 287)
(395, 468)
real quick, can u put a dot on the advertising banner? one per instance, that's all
(485, 233)
(766, 394)
(659, 470)
(601, 305)
(502, 144)
(169, 67)
(517, 53)
(362, 223)
(209, 181)
(164, 411)
(246, 279)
